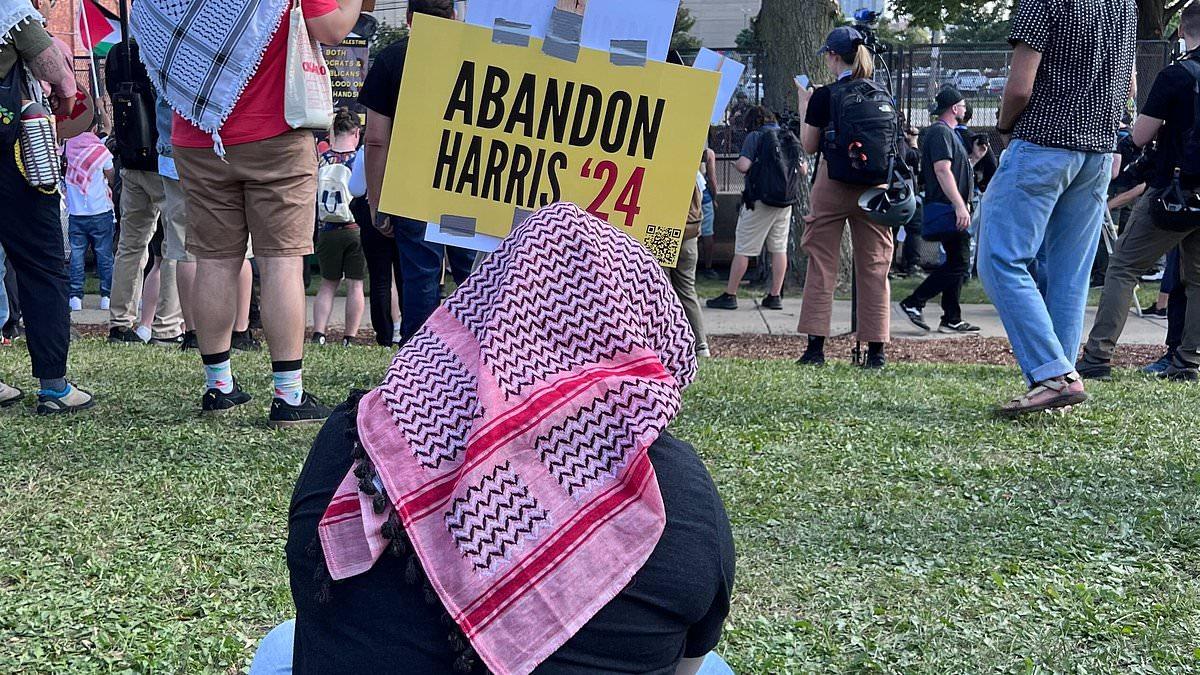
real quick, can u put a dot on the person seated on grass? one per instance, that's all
(508, 498)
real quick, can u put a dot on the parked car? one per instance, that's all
(995, 86)
(969, 81)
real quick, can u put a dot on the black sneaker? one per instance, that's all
(318, 339)
(812, 357)
(189, 341)
(124, 336)
(215, 402)
(914, 315)
(957, 327)
(348, 342)
(1155, 312)
(722, 301)
(1182, 370)
(772, 302)
(310, 411)
(710, 273)
(244, 342)
(168, 342)
(1089, 370)
(875, 362)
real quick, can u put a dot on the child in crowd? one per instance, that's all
(90, 209)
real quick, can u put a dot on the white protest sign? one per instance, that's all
(731, 74)
(536, 13)
(649, 20)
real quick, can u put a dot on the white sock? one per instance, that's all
(219, 376)
(289, 386)
(143, 333)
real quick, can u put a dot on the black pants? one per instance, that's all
(1176, 291)
(947, 280)
(383, 265)
(31, 234)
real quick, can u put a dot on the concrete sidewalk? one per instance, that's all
(749, 319)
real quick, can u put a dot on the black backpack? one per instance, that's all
(1189, 154)
(774, 176)
(860, 143)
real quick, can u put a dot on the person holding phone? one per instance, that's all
(949, 182)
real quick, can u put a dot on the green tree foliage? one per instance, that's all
(386, 35)
(981, 24)
(682, 39)
(748, 40)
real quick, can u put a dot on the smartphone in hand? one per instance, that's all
(802, 81)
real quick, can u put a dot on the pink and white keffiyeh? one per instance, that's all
(85, 155)
(510, 436)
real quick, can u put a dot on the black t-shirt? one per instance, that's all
(381, 87)
(820, 108)
(376, 622)
(942, 143)
(1172, 99)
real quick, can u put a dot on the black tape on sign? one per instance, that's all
(513, 33)
(627, 52)
(458, 225)
(562, 38)
(519, 216)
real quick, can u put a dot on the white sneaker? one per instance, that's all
(143, 333)
(104, 303)
(76, 304)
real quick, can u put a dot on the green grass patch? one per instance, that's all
(884, 522)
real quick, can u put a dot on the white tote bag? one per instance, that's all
(307, 93)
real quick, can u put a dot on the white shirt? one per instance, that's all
(97, 199)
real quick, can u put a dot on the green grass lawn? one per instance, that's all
(884, 523)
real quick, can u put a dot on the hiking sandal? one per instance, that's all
(75, 400)
(9, 395)
(1046, 395)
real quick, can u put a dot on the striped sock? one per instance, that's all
(218, 372)
(289, 380)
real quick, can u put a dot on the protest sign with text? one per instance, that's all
(485, 131)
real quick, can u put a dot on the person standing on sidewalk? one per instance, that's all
(245, 173)
(1168, 116)
(949, 181)
(772, 161)
(90, 213)
(1071, 75)
(142, 200)
(30, 224)
(421, 263)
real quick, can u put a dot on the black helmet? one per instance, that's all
(1176, 209)
(894, 204)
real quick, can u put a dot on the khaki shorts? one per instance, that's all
(769, 224)
(174, 219)
(265, 189)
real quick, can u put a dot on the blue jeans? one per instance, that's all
(274, 655)
(3, 291)
(1044, 204)
(421, 264)
(97, 232)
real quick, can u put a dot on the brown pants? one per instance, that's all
(833, 204)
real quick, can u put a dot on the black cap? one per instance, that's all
(843, 41)
(946, 99)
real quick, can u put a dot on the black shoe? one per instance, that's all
(914, 315)
(1093, 371)
(772, 302)
(875, 361)
(1182, 370)
(1155, 312)
(348, 341)
(215, 402)
(812, 357)
(124, 336)
(318, 339)
(710, 273)
(189, 341)
(722, 301)
(168, 342)
(310, 411)
(75, 400)
(957, 327)
(244, 342)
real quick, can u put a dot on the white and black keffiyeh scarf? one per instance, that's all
(13, 15)
(202, 53)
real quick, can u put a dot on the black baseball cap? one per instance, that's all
(946, 99)
(842, 41)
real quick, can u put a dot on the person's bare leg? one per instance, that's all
(779, 263)
(283, 306)
(323, 305)
(1163, 300)
(150, 289)
(185, 278)
(736, 271)
(245, 284)
(214, 313)
(354, 307)
(395, 313)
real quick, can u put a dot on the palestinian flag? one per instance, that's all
(99, 29)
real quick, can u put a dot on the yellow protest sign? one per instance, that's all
(483, 130)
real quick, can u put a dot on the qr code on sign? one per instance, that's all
(663, 243)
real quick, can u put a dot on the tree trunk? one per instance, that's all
(790, 33)
(1150, 19)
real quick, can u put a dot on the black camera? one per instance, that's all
(864, 22)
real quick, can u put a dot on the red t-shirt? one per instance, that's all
(258, 114)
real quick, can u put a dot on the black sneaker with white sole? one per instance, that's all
(772, 302)
(722, 301)
(914, 315)
(216, 402)
(317, 339)
(310, 411)
(957, 327)
(176, 341)
(1182, 370)
(244, 341)
(124, 336)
